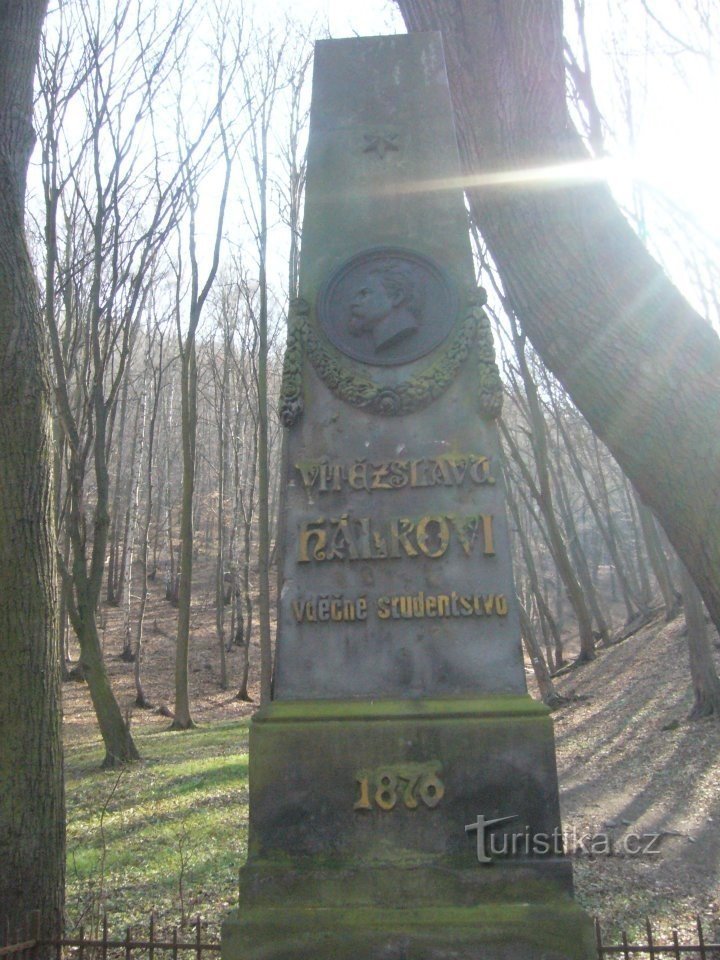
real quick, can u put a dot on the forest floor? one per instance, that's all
(630, 765)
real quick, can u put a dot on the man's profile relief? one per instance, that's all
(386, 306)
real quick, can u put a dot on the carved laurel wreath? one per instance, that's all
(471, 337)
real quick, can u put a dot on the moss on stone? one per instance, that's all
(491, 707)
(508, 930)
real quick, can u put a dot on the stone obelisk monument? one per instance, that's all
(403, 790)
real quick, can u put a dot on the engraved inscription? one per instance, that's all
(335, 608)
(408, 785)
(324, 476)
(422, 605)
(364, 538)
(330, 608)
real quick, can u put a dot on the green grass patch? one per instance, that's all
(166, 834)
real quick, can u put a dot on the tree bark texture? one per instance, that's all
(638, 361)
(32, 831)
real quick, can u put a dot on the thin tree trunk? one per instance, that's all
(705, 681)
(543, 607)
(188, 393)
(627, 580)
(128, 547)
(112, 578)
(245, 501)
(188, 398)
(618, 572)
(543, 497)
(578, 555)
(171, 581)
(222, 451)
(638, 539)
(658, 560)
(141, 699)
(263, 513)
(548, 693)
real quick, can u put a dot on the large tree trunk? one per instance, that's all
(32, 832)
(638, 361)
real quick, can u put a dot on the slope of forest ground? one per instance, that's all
(169, 833)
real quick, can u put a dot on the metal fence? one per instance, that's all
(26, 944)
(100, 945)
(653, 947)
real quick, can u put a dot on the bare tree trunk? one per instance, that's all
(263, 496)
(188, 381)
(705, 682)
(544, 497)
(221, 405)
(171, 581)
(548, 693)
(543, 607)
(578, 555)
(246, 503)
(124, 547)
(626, 579)
(541, 493)
(119, 745)
(618, 572)
(128, 547)
(646, 592)
(637, 360)
(188, 393)
(112, 577)
(32, 827)
(157, 374)
(658, 561)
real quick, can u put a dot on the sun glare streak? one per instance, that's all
(580, 171)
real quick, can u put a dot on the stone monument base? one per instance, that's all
(363, 836)
(538, 931)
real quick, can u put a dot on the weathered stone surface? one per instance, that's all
(394, 477)
(400, 712)
(396, 782)
(522, 931)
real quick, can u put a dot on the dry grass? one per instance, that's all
(628, 761)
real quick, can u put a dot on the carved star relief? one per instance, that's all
(380, 143)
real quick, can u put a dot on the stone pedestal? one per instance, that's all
(401, 726)
(389, 869)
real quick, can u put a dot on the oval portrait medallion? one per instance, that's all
(387, 306)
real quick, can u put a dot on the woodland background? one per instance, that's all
(164, 220)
